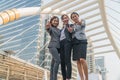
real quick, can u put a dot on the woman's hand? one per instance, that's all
(48, 25)
(79, 22)
(70, 29)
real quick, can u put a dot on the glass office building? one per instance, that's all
(20, 36)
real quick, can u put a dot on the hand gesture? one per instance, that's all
(48, 25)
(79, 22)
(70, 29)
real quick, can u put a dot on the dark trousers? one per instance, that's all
(54, 63)
(65, 55)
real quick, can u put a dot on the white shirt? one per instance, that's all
(62, 34)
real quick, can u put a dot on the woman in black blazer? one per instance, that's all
(54, 45)
(65, 49)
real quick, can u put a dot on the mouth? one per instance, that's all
(55, 24)
(75, 20)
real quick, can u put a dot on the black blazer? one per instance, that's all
(68, 35)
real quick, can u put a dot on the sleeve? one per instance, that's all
(49, 30)
(83, 23)
(72, 25)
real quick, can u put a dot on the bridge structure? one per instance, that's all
(101, 35)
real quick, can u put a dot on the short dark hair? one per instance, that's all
(64, 15)
(53, 19)
(73, 13)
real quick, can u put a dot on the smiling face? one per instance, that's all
(54, 21)
(65, 19)
(75, 17)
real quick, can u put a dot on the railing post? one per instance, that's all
(8, 73)
(25, 75)
(45, 75)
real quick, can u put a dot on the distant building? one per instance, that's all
(21, 34)
(90, 58)
(100, 66)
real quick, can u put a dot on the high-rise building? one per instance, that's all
(100, 66)
(90, 58)
(21, 36)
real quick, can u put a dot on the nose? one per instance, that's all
(56, 22)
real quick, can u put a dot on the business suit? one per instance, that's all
(53, 46)
(79, 31)
(79, 41)
(65, 53)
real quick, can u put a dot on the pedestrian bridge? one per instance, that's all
(20, 48)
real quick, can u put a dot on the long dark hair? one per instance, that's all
(63, 16)
(54, 17)
(73, 13)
